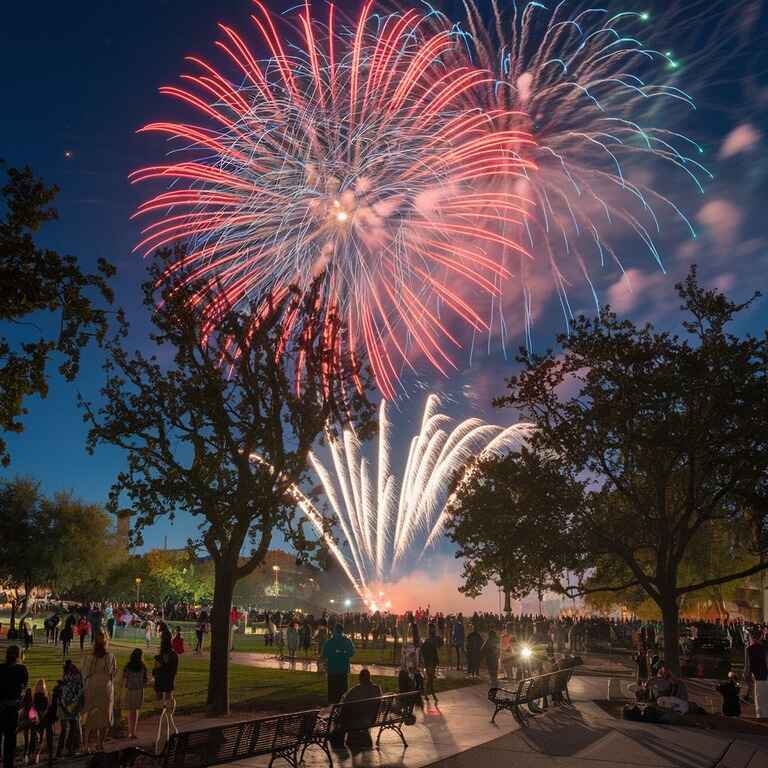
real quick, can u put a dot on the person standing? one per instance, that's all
(66, 635)
(200, 629)
(70, 704)
(164, 672)
(148, 631)
(177, 642)
(756, 668)
(99, 669)
(109, 613)
(474, 651)
(293, 641)
(305, 637)
(458, 639)
(430, 659)
(641, 660)
(82, 631)
(13, 683)
(135, 680)
(337, 652)
(490, 652)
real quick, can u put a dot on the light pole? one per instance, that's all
(276, 572)
(138, 588)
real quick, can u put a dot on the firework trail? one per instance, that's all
(602, 107)
(350, 157)
(384, 517)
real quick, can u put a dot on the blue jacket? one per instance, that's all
(337, 651)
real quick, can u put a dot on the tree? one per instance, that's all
(716, 549)
(221, 431)
(506, 516)
(35, 282)
(180, 576)
(47, 543)
(669, 432)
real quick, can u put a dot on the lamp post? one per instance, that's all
(276, 572)
(138, 587)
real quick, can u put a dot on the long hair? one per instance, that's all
(135, 662)
(100, 644)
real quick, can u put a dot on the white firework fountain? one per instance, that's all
(385, 516)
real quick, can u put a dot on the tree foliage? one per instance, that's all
(49, 543)
(507, 515)
(218, 425)
(670, 433)
(38, 285)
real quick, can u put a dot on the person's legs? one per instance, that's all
(429, 687)
(9, 720)
(337, 687)
(761, 699)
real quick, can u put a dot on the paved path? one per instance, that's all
(457, 733)
(602, 666)
(584, 737)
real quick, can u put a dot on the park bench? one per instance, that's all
(280, 736)
(553, 687)
(385, 713)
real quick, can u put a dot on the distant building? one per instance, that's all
(123, 530)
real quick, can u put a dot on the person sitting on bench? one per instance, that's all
(358, 714)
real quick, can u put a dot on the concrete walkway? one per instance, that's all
(585, 737)
(602, 666)
(457, 733)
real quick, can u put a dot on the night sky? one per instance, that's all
(80, 78)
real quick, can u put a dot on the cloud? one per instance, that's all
(626, 293)
(743, 138)
(722, 220)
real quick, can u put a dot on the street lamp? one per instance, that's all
(138, 587)
(276, 572)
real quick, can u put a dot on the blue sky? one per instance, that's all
(79, 79)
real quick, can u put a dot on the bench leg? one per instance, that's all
(396, 728)
(291, 757)
(519, 715)
(322, 744)
(566, 695)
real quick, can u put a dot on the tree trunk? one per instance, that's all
(218, 673)
(12, 625)
(507, 602)
(670, 614)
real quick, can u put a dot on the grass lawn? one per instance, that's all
(251, 689)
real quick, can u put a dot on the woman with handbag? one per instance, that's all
(99, 668)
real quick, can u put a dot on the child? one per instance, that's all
(730, 693)
(39, 731)
(28, 721)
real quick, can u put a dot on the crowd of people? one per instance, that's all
(81, 703)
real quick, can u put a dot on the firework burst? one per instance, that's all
(602, 107)
(348, 156)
